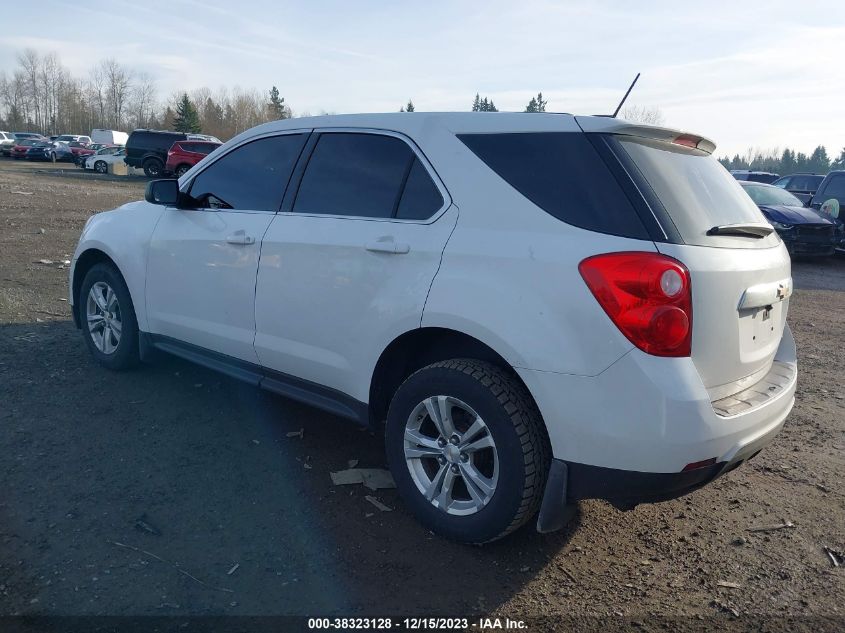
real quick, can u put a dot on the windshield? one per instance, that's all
(696, 191)
(762, 194)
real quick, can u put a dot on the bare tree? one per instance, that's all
(143, 100)
(649, 115)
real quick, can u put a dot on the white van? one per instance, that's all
(110, 137)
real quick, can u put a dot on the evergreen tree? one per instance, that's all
(410, 106)
(476, 103)
(187, 118)
(277, 107)
(819, 161)
(537, 104)
(839, 163)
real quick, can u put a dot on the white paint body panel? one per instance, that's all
(200, 287)
(326, 307)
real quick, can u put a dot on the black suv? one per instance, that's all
(802, 186)
(833, 188)
(148, 148)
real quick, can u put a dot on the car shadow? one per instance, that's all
(171, 489)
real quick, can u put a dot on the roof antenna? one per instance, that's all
(621, 103)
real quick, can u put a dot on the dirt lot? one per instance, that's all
(206, 464)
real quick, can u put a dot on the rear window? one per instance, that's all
(696, 191)
(768, 195)
(561, 173)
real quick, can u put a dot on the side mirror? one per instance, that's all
(163, 192)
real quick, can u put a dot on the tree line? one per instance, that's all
(41, 95)
(785, 162)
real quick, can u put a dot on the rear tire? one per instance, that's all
(108, 320)
(153, 168)
(498, 453)
(181, 170)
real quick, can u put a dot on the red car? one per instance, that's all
(22, 146)
(183, 155)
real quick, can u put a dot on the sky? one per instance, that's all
(765, 75)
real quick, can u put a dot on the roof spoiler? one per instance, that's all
(609, 125)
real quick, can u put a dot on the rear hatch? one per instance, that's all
(740, 271)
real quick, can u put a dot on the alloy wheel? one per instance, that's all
(451, 455)
(103, 315)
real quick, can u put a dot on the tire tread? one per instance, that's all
(528, 424)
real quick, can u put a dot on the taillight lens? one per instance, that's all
(647, 296)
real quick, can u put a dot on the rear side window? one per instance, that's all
(354, 174)
(420, 199)
(694, 188)
(561, 173)
(251, 177)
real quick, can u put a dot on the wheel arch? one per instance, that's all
(418, 348)
(85, 262)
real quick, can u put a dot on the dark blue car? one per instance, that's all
(50, 151)
(803, 230)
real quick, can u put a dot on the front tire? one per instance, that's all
(100, 167)
(108, 318)
(467, 449)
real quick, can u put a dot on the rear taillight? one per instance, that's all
(647, 296)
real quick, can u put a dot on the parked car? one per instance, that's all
(29, 135)
(558, 339)
(803, 230)
(22, 147)
(80, 148)
(54, 152)
(109, 137)
(754, 176)
(95, 148)
(147, 149)
(101, 160)
(802, 186)
(7, 142)
(185, 154)
(69, 138)
(829, 199)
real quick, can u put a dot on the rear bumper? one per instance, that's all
(627, 434)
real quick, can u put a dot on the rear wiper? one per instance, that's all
(756, 230)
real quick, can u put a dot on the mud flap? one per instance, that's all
(554, 511)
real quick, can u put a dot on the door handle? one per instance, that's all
(388, 246)
(240, 238)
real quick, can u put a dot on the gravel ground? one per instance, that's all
(199, 472)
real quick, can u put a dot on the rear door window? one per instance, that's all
(696, 191)
(354, 174)
(252, 177)
(563, 174)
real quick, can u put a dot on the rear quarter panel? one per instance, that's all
(509, 275)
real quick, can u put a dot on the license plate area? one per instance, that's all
(760, 330)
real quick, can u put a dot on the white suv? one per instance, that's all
(538, 308)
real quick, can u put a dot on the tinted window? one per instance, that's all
(696, 190)
(764, 195)
(420, 198)
(783, 183)
(251, 177)
(805, 183)
(354, 174)
(835, 188)
(562, 174)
